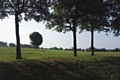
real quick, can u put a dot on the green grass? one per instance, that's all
(58, 65)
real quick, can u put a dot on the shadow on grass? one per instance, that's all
(60, 70)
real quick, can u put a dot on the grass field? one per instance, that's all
(58, 65)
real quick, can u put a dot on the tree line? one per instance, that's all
(5, 44)
(36, 40)
(84, 50)
(64, 16)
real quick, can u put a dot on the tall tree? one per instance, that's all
(94, 18)
(65, 16)
(16, 8)
(36, 9)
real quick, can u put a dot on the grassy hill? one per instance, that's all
(58, 65)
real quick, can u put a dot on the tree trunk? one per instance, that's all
(18, 49)
(74, 40)
(92, 40)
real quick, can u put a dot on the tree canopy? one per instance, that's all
(38, 10)
(66, 16)
(115, 17)
(3, 13)
(73, 14)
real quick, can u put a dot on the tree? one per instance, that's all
(94, 18)
(36, 39)
(16, 8)
(65, 16)
(3, 44)
(68, 15)
(31, 9)
(12, 45)
(25, 45)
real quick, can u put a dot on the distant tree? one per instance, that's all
(82, 49)
(25, 45)
(116, 49)
(60, 48)
(96, 49)
(103, 50)
(12, 44)
(54, 48)
(3, 44)
(88, 49)
(68, 49)
(79, 49)
(36, 39)
(42, 48)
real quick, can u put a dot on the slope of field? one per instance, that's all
(58, 65)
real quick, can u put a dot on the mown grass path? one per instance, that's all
(58, 65)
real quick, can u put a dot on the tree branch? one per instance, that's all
(23, 6)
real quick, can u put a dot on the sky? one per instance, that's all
(52, 38)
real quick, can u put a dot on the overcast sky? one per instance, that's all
(52, 38)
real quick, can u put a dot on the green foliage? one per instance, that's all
(15, 6)
(36, 39)
(38, 10)
(3, 13)
(115, 14)
(116, 27)
(83, 13)
(32, 9)
(94, 15)
(65, 15)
